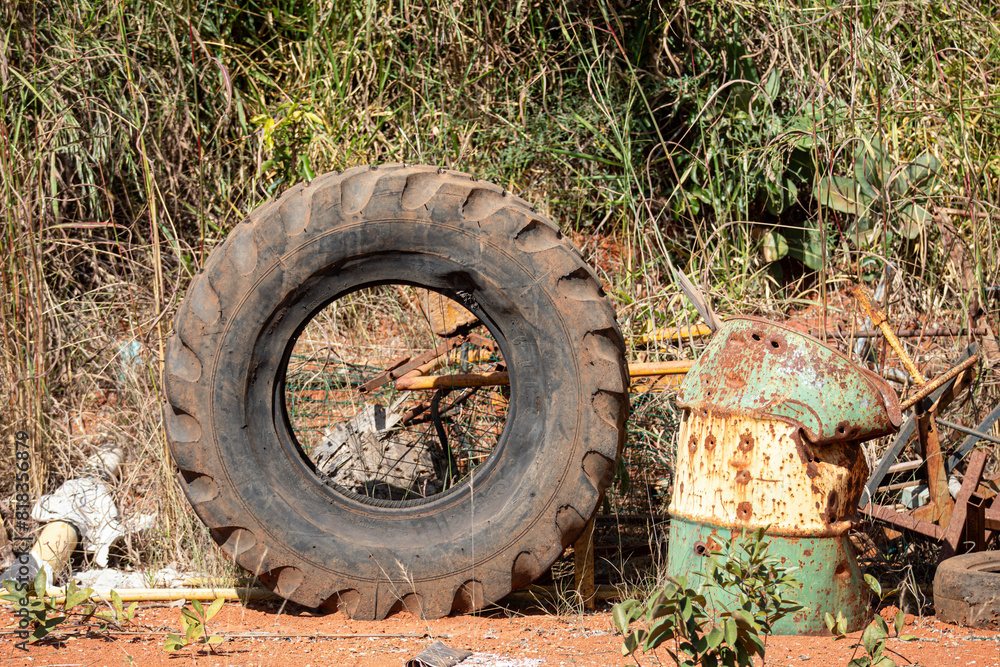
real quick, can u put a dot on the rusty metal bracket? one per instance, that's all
(990, 518)
(401, 367)
(971, 441)
(975, 522)
(907, 430)
(484, 342)
(906, 521)
(967, 524)
(937, 478)
(957, 524)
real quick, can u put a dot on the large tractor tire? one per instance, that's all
(245, 471)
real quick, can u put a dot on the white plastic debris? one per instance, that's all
(954, 486)
(107, 578)
(87, 503)
(166, 578)
(129, 359)
(494, 660)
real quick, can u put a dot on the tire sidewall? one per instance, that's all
(329, 530)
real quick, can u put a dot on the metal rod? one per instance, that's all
(927, 388)
(494, 379)
(971, 441)
(659, 368)
(968, 431)
(932, 332)
(906, 521)
(498, 378)
(404, 365)
(878, 319)
(667, 334)
(905, 466)
(167, 594)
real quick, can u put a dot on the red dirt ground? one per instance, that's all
(502, 638)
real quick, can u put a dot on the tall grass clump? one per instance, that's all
(772, 149)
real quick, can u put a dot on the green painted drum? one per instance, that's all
(827, 573)
(771, 437)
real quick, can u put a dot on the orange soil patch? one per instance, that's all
(294, 636)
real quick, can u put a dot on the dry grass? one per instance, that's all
(135, 135)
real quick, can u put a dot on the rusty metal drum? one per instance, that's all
(771, 437)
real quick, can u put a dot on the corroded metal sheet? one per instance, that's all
(758, 368)
(742, 472)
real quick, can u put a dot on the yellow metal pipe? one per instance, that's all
(494, 379)
(498, 378)
(58, 595)
(670, 334)
(659, 368)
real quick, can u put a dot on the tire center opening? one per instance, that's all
(396, 395)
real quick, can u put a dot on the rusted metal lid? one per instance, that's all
(759, 368)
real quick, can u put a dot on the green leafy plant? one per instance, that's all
(722, 621)
(285, 137)
(873, 639)
(881, 188)
(195, 627)
(71, 611)
(118, 615)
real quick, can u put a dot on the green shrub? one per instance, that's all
(724, 619)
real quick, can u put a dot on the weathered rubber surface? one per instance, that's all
(241, 467)
(967, 590)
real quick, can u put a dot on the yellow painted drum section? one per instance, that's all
(740, 472)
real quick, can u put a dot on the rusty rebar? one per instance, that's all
(927, 388)
(669, 334)
(930, 332)
(879, 320)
